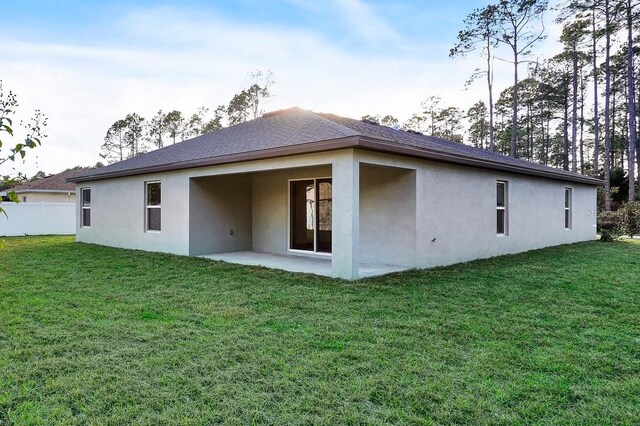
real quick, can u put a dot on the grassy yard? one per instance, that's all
(97, 335)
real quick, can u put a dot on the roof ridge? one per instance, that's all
(346, 130)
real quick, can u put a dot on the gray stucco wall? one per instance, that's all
(118, 212)
(220, 214)
(387, 215)
(456, 205)
(271, 206)
(402, 207)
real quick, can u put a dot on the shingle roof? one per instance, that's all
(57, 182)
(296, 130)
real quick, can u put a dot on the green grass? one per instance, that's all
(97, 335)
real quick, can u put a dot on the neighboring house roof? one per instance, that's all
(52, 183)
(297, 131)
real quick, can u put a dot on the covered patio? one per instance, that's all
(346, 219)
(305, 264)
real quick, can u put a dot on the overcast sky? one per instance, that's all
(86, 64)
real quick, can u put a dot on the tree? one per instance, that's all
(215, 122)
(631, 101)
(238, 108)
(437, 120)
(572, 35)
(115, 147)
(199, 123)
(34, 129)
(478, 125)
(260, 90)
(387, 120)
(249, 102)
(449, 124)
(480, 33)
(38, 175)
(175, 125)
(609, 29)
(517, 22)
(157, 128)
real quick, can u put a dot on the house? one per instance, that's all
(320, 193)
(50, 189)
(47, 206)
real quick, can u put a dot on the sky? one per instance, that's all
(86, 64)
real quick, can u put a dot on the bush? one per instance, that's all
(607, 236)
(630, 219)
(610, 221)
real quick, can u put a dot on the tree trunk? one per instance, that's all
(120, 147)
(607, 116)
(543, 154)
(637, 138)
(565, 132)
(514, 120)
(582, 87)
(492, 145)
(574, 118)
(596, 118)
(632, 106)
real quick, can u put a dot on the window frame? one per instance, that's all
(83, 207)
(147, 207)
(315, 251)
(568, 208)
(504, 208)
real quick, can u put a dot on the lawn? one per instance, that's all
(98, 335)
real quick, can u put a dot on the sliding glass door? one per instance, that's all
(310, 207)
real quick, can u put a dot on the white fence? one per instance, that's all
(38, 219)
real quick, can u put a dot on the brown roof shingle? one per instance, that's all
(296, 130)
(57, 182)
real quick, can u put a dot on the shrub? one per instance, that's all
(607, 236)
(630, 219)
(610, 221)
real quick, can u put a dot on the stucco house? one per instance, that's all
(49, 189)
(331, 195)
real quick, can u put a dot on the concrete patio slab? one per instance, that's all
(293, 263)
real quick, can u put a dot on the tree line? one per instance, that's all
(134, 134)
(575, 110)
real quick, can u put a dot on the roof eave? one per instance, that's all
(409, 151)
(307, 148)
(57, 191)
(372, 144)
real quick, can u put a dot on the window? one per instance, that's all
(310, 210)
(153, 203)
(86, 207)
(502, 201)
(567, 208)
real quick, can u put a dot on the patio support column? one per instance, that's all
(345, 219)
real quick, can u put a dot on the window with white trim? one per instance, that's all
(153, 210)
(85, 205)
(567, 208)
(502, 214)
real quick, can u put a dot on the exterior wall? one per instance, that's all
(220, 214)
(271, 206)
(456, 206)
(411, 212)
(118, 211)
(48, 197)
(387, 215)
(38, 219)
(118, 214)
